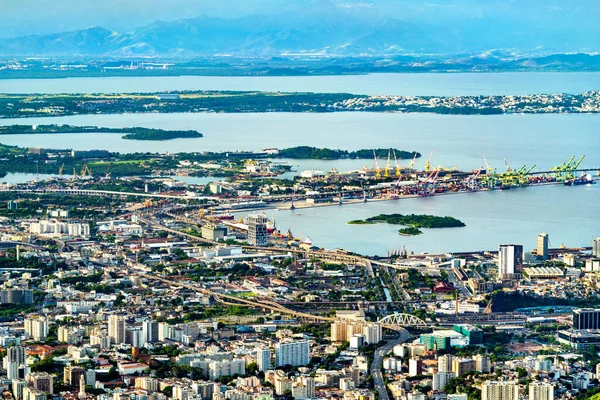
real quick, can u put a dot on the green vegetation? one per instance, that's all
(412, 221)
(410, 231)
(307, 152)
(418, 220)
(131, 133)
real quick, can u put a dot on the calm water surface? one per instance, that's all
(409, 84)
(544, 140)
(567, 214)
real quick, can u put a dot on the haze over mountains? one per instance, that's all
(530, 27)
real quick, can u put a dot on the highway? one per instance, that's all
(376, 365)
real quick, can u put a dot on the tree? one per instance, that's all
(168, 391)
(251, 368)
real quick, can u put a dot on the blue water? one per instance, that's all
(409, 84)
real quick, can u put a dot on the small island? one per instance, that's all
(410, 231)
(412, 222)
(135, 133)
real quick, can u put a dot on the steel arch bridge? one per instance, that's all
(401, 320)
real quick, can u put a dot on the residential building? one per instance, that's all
(292, 353)
(117, 329)
(37, 328)
(42, 381)
(263, 359)
(541, 391)
(496, 390)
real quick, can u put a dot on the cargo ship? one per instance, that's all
(582, 180)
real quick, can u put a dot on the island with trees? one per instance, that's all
(412, 222)
(134, 133)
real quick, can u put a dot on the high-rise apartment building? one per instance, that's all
(150, 331)
(495, 390)
(263, 358)
(445, 363)
(117, 326)
(42, 381)
(440, 380)
(37, 328)
(257, 230)
(541, 391)
(292, 353)
(596, 247)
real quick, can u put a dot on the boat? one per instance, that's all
(582, 180)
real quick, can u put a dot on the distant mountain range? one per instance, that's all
(320, 33)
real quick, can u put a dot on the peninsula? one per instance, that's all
(35, 105)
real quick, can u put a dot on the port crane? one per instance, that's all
(428, 163)
(108, 171)
(566, 170)
(398, 167)
(60, 170)
(412, 163)
(376, 166)
(386, 173)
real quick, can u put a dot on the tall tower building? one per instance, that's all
(37, 327)
(150, 331)
(541, 391)
(510, 256)
(542, 246)
(257, 230)
(117, 329)
(293, 353)
(445, 363)
(596, 247)
(263, 358)
(16, 354)
(495, 390)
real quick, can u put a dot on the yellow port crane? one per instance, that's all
(412, 163)
(387, 165)
(376, 166)
(488, 167)
(60, 170)
(428, 163)
(85, 170)
(398, 168)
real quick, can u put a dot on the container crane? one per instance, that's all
(398, 167)
(108, 171)
(376, 166)
(412, 163)
(487, 165)
(428, 163)
(386, 173)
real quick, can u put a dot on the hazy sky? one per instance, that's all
(20, 17)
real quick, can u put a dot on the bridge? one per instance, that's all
(86, 192)
(9, 244)
(401, 320)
